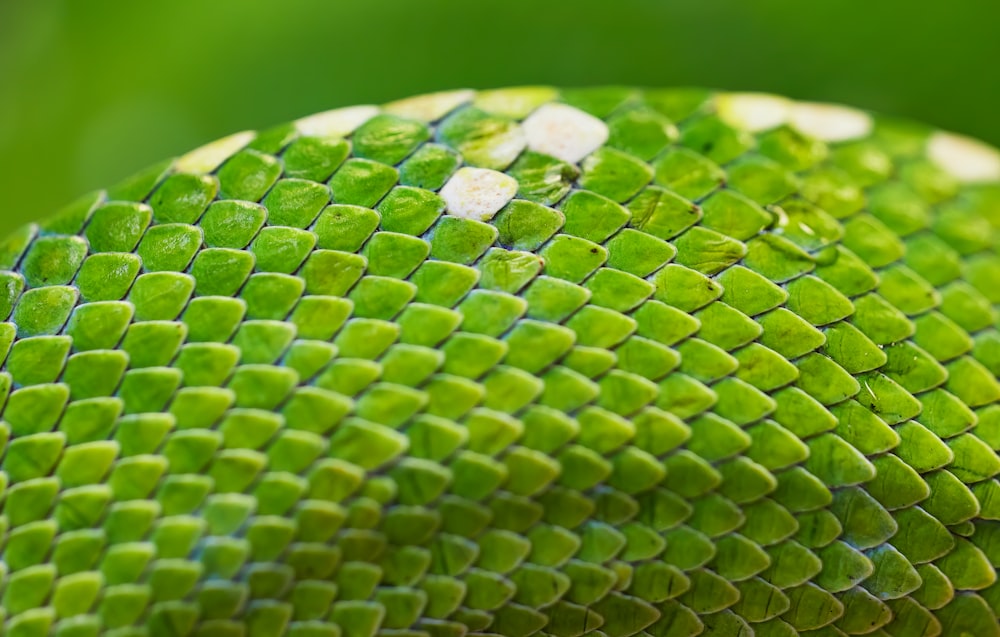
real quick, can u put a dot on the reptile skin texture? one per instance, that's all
(602, 362)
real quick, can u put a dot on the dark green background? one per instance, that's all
(91, 91)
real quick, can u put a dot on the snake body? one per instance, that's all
(523, 362)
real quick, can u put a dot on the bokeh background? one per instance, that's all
(92, 91)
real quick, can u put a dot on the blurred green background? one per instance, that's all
(92, 91)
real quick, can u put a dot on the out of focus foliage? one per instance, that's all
(92, 91)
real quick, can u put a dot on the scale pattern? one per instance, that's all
(726, 365)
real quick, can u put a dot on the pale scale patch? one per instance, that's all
(829, 122)
(503, 154)
(477, 193)
(966, 159)
(210, 156)
(430, 108)
(564, 132)
(336, 123)
(752, 112)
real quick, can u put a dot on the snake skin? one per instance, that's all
(706, 380)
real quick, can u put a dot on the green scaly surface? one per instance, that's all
(702, 381)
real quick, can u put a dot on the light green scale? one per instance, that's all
(606, 361)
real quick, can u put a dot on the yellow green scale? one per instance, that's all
(733, 372)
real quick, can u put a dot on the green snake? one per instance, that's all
(529, 361)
